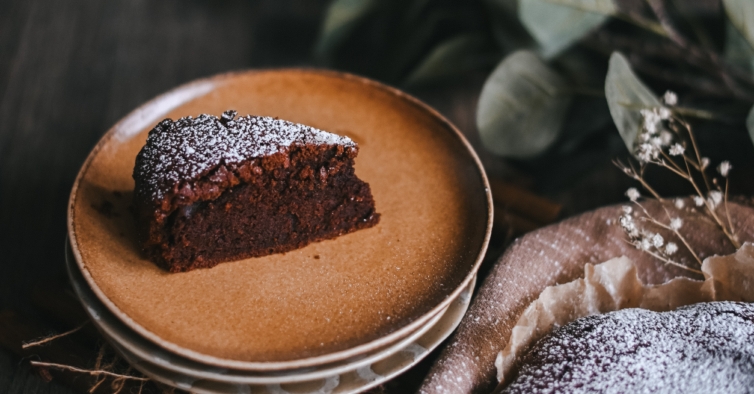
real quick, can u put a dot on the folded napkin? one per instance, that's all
(555, 255)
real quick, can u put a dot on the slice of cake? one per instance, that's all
(211, 189)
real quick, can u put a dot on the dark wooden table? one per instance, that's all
(70, 69)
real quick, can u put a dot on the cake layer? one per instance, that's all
(305, 195)
(213, 189)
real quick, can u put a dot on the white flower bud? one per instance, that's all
(663, 113)
(715, 198)
(657, 241)
(698, 201)
(666, 137)
(671, 248)
(633, 194)
(670, 98)
(676, 150)
(724, 168)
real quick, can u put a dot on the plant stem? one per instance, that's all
(696, 113)
(696, 152)
(700, 58)
(727, 211)
(662, 225)
(711, 210)
(639, 176)
(658, 7)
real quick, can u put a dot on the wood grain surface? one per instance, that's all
(69, 69)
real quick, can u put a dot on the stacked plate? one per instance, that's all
(353, 374)
(337, 316)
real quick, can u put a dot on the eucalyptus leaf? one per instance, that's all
(738, 51)
(741, 14)
(449, 58)
(340, 20)
(522, 107)
(626, 96)
(558, 24)
(750, 123)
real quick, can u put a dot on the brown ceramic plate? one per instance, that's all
(330, 300)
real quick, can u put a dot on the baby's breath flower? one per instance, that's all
(671, 248)
(628, 225)
(650, 127)
(657, 241)
(633, 194)
(663, 113)
(651, 119)
(627, 209)
(645, 244)
(676, 150)
(679, 203)
(666, 137)
(656, 141)
(647, 152)
(715, 198)
(676, 223)
(670, 98)
(698, 201)
(704, 163)
(724, 168)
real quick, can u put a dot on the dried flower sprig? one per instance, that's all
(667, 141)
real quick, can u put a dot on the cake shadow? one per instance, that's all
(112, 211)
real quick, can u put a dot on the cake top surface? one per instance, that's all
(190, 147)
(706, 347)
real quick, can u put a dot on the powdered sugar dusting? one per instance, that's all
(705, 348)
(191, 147)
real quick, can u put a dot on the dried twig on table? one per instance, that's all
(51, 338)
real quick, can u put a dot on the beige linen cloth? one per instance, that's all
(555, 255)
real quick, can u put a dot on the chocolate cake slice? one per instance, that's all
(210, 190)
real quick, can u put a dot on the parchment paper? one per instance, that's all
(615, 285)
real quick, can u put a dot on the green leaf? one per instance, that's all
(449, 58)
(741, 14)
(626, 96)
(340, 20)
(750, 123)
(738, 51)
(522, 107)
(558, 24)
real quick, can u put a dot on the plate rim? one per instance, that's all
(444, 335)
(196, 85)
(96, 313)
